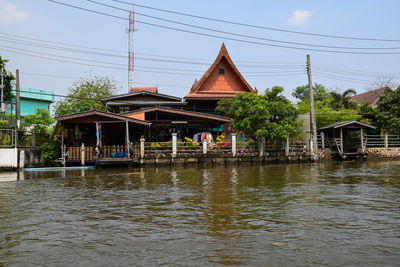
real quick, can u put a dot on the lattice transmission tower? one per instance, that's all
(131, 67)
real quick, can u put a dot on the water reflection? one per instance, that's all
(323, 214)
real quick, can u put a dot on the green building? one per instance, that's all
(30, 100)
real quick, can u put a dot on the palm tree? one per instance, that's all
(346, 97)
(342, 100)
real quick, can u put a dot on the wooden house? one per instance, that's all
(141, 97)
(222, 80)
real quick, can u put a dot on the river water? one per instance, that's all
(326, 214)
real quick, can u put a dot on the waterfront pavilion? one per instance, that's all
(346, 138)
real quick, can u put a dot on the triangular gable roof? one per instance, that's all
(371, 97)
(342, 124)
(223, 53)
(180, 112)
(101, 114)
(148, 89)
(118, 97)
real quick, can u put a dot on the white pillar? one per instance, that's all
(83, 155)
(287, 146)
(174, 138)
(22, 159)
(204, 146)
(261, 146)
(233, 138)
(362, 140)
(341, 141)
(322, 140)
(386, 140)
(142, 147)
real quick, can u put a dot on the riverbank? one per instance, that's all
(32, 158)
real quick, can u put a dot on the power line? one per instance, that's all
(244, 35)
(339, 78)
(352, 71)
(227, 38)
(261, 27)
(24, 38)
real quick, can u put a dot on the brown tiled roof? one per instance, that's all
(180, 112)
(103, 114)
(194, 91)
(148, 89)
(371, 97)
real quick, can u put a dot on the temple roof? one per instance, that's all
(222, 80)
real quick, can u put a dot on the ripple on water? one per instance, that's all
(332, 214)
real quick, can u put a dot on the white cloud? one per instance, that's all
(300, 17)
(10, 13)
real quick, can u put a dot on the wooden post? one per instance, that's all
(127, 139)
(313, 125)
(341, 142)
(362, 140)
(62, 145)
(18, 111)
(97, 134)
(233, 138)
(386, 140)
(174, 137)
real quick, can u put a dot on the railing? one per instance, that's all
(379, 141)
(297, 147)
(157, 148)
(246, 147)
(189, 148)
(7, 138)
(74, 153)
(108, 151)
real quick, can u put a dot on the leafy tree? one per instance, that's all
(388, 111)
(85, 95)
(270, 115)
(326, 115)
(40, 123)
(303, 92)
(7, 81)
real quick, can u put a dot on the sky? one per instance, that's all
(172, 60)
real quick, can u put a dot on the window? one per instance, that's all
(221, 71)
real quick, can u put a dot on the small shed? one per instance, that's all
(346, 138)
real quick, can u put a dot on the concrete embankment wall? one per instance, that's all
(223, 159)
(373, 153)
(11, 158)
(384, 153)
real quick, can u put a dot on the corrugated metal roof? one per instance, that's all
(104, 114)
(180, 112)
(36, 94)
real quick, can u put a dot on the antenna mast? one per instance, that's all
(131, 66)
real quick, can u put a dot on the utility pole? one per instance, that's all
(18, 110)
(313, 128)
(2, 93)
